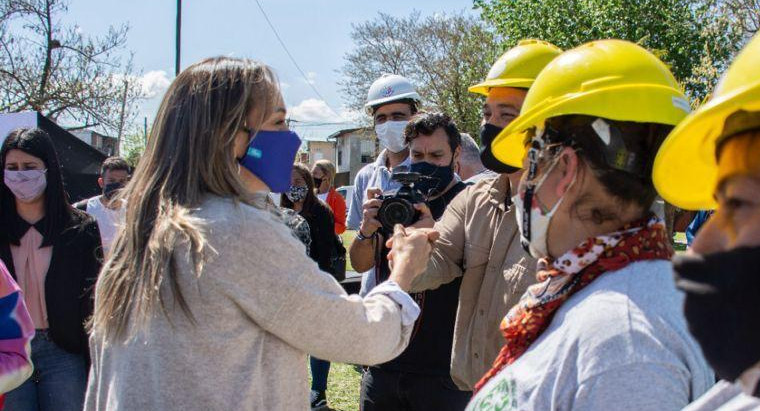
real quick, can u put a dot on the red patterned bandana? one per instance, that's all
(643, 240)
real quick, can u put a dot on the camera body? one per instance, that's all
(398, 205)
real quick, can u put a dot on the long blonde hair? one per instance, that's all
(190, 154)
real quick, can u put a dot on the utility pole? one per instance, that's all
(179, 38)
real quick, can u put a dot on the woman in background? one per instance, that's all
(301, 198)
(54, 253)
(323, 173)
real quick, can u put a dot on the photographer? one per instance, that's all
(423, 368)
(391, 102)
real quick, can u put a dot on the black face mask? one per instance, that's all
(721, 307)
(317, 183)
(438, 177)
(488, 133)
(111, 189)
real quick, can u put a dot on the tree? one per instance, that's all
(695, 38)
(51, 68)
(442, 55)
(746, 13)
(133, 146)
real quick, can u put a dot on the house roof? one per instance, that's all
(341, 133)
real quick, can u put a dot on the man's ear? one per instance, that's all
(101, 183)
(455, 159)
(568, 166)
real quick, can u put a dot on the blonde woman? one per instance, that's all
(208, 302)
(323, 173)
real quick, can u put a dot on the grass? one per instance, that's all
(348, 238)
(344, 381)
(680, 242)
(343, 388)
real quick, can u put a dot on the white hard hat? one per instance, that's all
(388, 88)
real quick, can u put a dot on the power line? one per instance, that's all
(292, 59)
(300, 123)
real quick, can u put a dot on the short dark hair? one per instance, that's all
(427, 123)
(114, 163)
(470, 150)
(641, 139)
(412, 105)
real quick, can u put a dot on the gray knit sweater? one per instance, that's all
(260, 305)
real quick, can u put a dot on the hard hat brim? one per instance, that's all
(685, 170)
(629, 102)
(411, 95)
(483, 87)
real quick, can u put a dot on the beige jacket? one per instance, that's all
(479, 241)
(260, 305)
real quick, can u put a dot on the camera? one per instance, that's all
(398, 205)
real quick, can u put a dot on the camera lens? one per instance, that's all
(395, 211)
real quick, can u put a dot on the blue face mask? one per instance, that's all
(270, 157)
(439, 177)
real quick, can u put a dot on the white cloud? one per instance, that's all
(284, 85)
(311, 78)
(314, 110)
(154, 83)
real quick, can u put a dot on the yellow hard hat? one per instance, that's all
(519, 66)
(612, 79)
(685, 169)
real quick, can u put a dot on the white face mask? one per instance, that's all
(533, 233)
(391, 135)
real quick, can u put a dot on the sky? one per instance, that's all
(317, 34)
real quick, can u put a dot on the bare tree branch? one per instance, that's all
(52, 68)
(443, 55)
(82, 127)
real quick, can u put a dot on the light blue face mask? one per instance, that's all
(270, 157)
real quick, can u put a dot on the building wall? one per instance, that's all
(321, 150)
(343, 155)
(107, 145)
(357, 149)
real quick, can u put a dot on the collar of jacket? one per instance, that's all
(501, 193)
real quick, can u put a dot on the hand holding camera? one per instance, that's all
(370, 224)
(405, 206)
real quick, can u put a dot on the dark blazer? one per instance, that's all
(74, 266)
(322, 230)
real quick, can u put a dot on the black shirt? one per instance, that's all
(429, 350)
(322, 231)
(74, 266)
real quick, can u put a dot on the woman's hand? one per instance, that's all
(410, 251)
